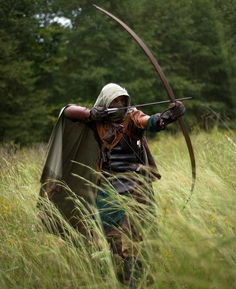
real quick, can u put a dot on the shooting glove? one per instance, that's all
(98, 113)
(159, 121)
(175, 110)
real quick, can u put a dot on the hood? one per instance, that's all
(108, 93)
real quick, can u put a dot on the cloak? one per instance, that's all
(73, 151)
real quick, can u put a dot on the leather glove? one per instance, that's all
(159, 121)
(175, 110)
(98, 113)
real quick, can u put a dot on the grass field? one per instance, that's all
(194, 247)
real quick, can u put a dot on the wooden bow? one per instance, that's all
(166, 84)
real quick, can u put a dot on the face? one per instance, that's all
(120, 101)
(118, 116)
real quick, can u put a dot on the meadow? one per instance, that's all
(189, 240)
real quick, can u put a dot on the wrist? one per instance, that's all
(155, 123)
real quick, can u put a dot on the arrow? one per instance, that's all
(112, 110)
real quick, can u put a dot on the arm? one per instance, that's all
(76, 112)
(158, 121)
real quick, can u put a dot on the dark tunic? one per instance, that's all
(126, 156)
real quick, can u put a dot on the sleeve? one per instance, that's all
(139, 118)
(76, 112)
(152, 123)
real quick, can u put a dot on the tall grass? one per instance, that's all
(194, 247)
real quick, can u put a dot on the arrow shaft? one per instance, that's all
(111, 110)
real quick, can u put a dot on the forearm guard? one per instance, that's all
(155, 123)
(159, 121)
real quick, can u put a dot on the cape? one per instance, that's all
(71, 162)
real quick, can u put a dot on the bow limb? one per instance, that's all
(164, 81)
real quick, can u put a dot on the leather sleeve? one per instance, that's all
(152, 123)
(139, 118)
(76, 112)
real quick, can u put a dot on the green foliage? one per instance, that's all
(46, 64)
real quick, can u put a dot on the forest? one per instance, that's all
(55, 52)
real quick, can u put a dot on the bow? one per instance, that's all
(166, 84)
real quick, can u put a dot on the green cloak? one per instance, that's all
(72, 155)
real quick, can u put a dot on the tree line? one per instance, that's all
(55, 52)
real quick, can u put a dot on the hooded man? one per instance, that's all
(112, 143)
